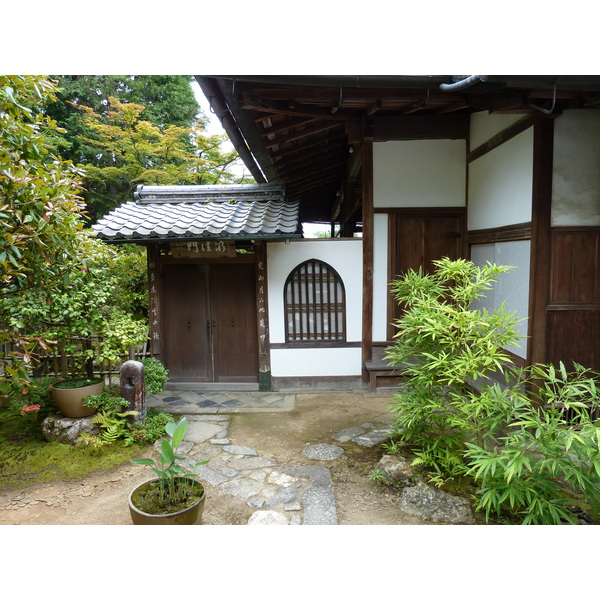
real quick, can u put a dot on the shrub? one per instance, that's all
(155, 375)
(517, 440)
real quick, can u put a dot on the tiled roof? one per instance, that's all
(202, 211)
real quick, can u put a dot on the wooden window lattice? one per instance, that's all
(314, 304)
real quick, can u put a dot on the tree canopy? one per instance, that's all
(169, 100)
(136, 129)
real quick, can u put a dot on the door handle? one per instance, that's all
(233, 322)
(189, 324)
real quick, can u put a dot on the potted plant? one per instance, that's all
(174, 497)
(68, 395)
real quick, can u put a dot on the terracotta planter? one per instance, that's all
(188, 516)
(69, 401)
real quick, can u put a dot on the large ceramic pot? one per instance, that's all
(187, 516)
(68, 396)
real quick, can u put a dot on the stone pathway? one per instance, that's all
(219, 402)
(281, 495)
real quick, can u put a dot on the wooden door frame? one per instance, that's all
(157, 260)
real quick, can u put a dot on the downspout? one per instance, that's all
(463, 83)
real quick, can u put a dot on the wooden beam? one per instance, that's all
(299, 134)
(506, 134)
(421, 127)
(294, 109)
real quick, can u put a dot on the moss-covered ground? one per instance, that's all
(26, 458)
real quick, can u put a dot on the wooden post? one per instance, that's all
(367, 220)
(262, 318)
(154, 315)
(543, 150)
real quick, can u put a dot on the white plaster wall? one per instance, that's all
(485, 126)
(316, 362)
(380, 275)
(500, 184)
(511, 287)
(345, 256)
(419, 173)
(576, 175)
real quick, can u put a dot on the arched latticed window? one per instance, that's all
(315, 304)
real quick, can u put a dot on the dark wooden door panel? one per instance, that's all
(233, 293)
(415, 242)
(186, 315)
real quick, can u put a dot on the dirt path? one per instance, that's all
(101, 499)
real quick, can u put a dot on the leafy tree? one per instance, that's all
(132, 151)
(58, 282)
(42, 239)
(169, 100)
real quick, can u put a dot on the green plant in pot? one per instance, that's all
(174, 497)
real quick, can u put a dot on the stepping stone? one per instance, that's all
(240, 450)
(373, 437)
(318, 498)
(267, 517)
(200, 431)
(345, 435)
(251, 462)
(242, 488)
(323, 452)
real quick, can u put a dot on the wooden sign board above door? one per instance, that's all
(203, 249)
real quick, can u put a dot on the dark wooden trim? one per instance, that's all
(367, 220)
(314, 344)
(539, 289)
(566, 229)
(154, 299)
(430, 211)
(573, 307)
(508, 233)
(262, 318)
(517, 360)
(503, 136)
(434, 127)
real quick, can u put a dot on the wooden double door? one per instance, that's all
(209, 322)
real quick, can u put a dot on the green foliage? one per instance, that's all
(175, 479)
(35, 392)
(131, 150)
(155, 375)
(42, 240)
(26, 458)
(115, 424)
(547, 454)
(529, 444)
(443, 345)
(169, 100)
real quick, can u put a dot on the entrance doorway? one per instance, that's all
(209, 316)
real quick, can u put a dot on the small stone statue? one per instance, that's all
(132, 388)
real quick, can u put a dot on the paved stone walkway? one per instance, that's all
(219, 402)
(281, 495)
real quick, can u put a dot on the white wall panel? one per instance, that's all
(576, 176)
(512, 287)
(419, 173)
(501, 183)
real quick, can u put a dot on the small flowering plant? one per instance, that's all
(29, 397)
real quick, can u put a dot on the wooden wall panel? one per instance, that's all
(573, 317)
(575, 272)
(574, 335)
